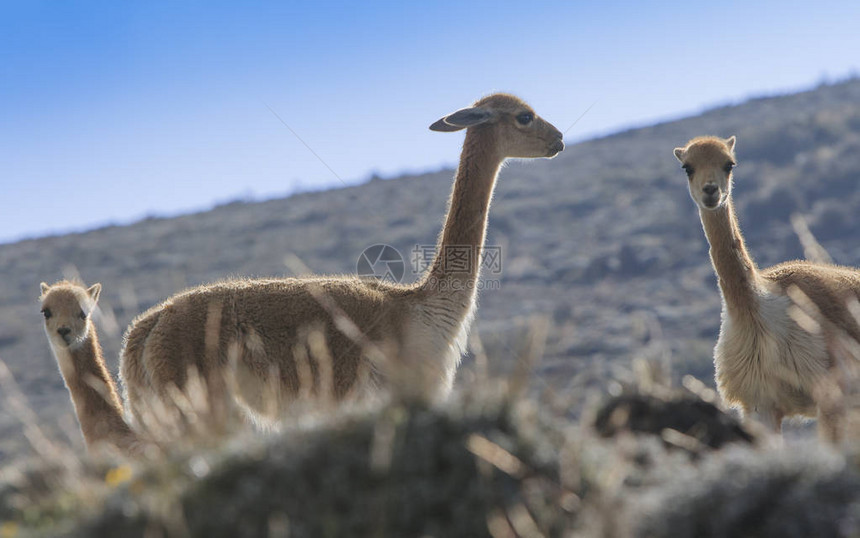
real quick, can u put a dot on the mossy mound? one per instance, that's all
(480, 466)
(405, 471)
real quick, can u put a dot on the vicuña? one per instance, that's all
(260, 345)
(778, 353)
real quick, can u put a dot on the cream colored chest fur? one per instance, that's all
(436, 339)
(770, 365)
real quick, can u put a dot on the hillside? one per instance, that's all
(603, 239)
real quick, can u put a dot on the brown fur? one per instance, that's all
(766, 362)
(257, 341)
(68, 306)
(827, 285)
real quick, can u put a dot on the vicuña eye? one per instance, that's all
(82, 314)
(525, 118)
(689, 169)
(728, 167)
(47, 313)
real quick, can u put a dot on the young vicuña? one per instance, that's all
(67, 308)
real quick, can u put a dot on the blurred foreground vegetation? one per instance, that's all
(643, 463)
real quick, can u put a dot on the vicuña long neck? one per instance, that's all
(458, 255)
(94, 394)
(736, 270)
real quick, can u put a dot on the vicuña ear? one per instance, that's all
(94, 291)
(461, 119)
(680, 153)
(44, 287)
(730, 142)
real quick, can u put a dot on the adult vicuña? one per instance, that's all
(262, 344)
(769, 359)
(67, 307)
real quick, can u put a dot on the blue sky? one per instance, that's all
(111, 111)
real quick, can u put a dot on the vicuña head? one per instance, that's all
(517, 132)
(67, 307)
(708, 162)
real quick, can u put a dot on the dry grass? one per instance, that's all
(498, 460)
